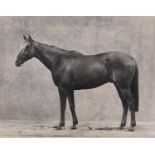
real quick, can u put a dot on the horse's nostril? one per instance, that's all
(16, 63)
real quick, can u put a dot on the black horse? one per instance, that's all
(72, 70)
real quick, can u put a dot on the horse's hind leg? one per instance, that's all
(125, 108)
(133, 121)
(126, 92)
(72, 108)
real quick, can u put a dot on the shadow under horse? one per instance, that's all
(72, 70)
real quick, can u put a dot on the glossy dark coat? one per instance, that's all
(72, 70)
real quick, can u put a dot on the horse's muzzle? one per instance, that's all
(17, 64)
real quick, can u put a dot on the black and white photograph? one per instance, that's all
(77, 76)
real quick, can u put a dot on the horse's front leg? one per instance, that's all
(72, 108)
(62, 95)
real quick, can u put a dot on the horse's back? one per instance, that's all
(75, 53)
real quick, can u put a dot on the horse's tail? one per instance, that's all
(134, 88)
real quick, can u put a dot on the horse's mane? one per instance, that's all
(60, 51)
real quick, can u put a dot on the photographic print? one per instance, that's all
(77, 76)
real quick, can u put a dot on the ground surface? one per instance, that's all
(85, 129)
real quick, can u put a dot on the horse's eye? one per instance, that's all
(28, 47)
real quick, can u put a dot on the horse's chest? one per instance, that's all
(61, 77)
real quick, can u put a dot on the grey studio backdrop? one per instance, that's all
(25, 95)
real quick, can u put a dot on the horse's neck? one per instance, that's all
(46, 56)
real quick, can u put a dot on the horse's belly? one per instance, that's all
(78, 86)
(89, 81)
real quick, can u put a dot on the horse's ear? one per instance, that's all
(30, 39)
(25, 38)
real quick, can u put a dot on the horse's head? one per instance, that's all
(26, 53)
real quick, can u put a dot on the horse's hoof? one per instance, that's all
(121, 127)
(73, 127)
(57, 127)
(90, 128)
(131, 129)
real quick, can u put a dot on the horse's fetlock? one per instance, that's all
(62, 124)
(75, 122)
(133, 124)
